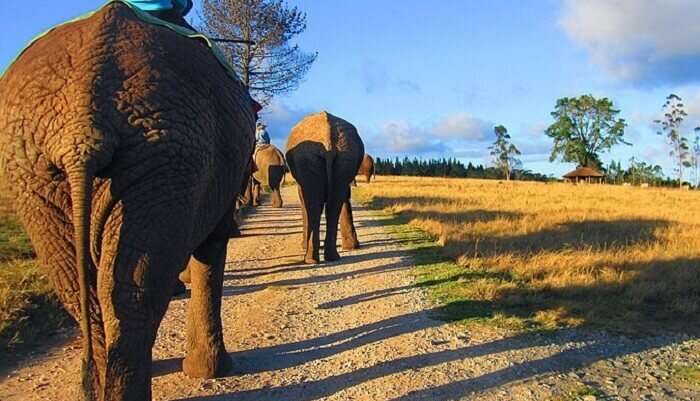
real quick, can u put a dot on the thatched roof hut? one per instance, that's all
(584, 174)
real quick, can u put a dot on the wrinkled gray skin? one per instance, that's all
(125, 145)
(324, 153)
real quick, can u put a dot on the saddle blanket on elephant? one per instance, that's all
(152, 5)
(183, 6)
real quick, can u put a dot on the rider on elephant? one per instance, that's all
(261, 135)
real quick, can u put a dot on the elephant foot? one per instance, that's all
(311, 258)
(331, 256)
(351, 245)
(207, 363)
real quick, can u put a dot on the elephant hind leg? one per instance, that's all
(333, 208)
(256, 193)
(206, 354)
(276, 198)
(305, 219)
(141, 258)
(312, 196)
(347, 226)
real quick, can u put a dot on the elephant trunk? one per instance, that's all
(80, 179)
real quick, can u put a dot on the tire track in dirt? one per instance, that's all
(356, 329)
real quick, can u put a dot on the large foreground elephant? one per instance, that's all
(324, 153)
(125, 144)
(270, 171)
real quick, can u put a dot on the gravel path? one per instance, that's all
(358, 330)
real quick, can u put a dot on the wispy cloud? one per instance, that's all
(280, 118)
(462, 125)
(643, 42)
(408, 86)
(401, 137)
(458, 135)
(375, 77)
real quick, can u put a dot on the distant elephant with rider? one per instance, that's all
(270, 171)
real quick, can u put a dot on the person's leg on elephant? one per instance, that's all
(206, 354)
(336, 195)
(347, 225)
(143, 250)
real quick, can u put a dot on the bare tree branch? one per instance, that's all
(261, 53)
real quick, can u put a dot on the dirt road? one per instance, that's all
(358, 329)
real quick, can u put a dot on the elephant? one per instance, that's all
(367, 168)
(271, 169)
(324, 153)
(125, 143)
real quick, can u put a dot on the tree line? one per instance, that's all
(451, 167)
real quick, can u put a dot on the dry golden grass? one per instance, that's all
(557, 254)
(28, 306)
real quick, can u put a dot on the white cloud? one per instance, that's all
(401, 137)
(461, 125)
(456, 135)
(646, 42)
(280, 118)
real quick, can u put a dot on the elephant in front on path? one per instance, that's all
(125, 144)
(324, 153)
(271, 169)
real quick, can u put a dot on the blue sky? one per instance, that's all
(430, 79)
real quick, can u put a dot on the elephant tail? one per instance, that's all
(80, 180)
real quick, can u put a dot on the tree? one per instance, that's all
(266, 61)
(583, 128)
(695, 154)
(674, 114)
(640, 172)
(615, 173)
(503, 152)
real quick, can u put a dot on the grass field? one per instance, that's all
(535, 255)
(28, 307)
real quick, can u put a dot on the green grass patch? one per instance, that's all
(463, 294)
(578, 393)
(14, 242)
(687, 376)
(29, 309)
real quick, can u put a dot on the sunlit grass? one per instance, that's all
(555, 255)
(28, 306)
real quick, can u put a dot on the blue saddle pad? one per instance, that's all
(184, 6)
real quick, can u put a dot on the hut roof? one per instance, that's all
(584, 172)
